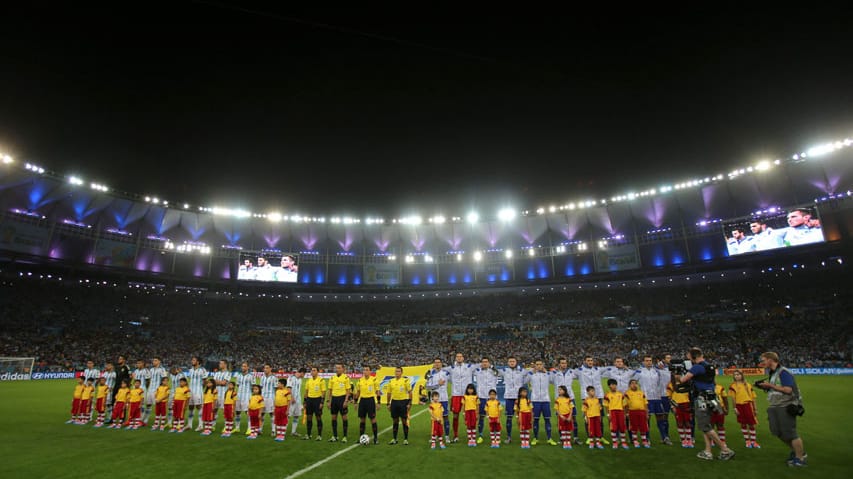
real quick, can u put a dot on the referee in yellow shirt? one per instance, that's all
(399, 403)
(315, 391)
(339, 392)
(367, 394)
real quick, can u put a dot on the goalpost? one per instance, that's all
(16, 369)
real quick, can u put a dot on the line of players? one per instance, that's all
(282, 400)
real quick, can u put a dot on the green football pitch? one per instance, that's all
(36, 443)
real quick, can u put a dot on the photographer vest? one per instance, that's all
(779, 399)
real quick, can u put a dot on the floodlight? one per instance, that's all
(531, 252)
(478, 256)
(506, 214)
(508, 254)
(473, 217)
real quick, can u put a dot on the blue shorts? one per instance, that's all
(482, 411)
(510, 407)
(574, 408)
(446, 410)
(667, 407)
(656, 406)
(542, 408)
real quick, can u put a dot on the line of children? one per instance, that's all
(129, 400)
(615, 403)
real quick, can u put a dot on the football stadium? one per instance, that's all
(151, 335)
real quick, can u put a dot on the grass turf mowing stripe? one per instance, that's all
(344, 451)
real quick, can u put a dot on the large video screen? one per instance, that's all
(772, 229)
(278, 267)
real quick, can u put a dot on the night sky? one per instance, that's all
(404, 111)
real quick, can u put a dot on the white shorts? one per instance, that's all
(220, 402)
(269, 405)
(196, 399)
(242, 405)
(295, 410)
(149, 398)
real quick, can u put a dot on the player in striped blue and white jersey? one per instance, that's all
(91, 372)
(221, 377)
(269, 382)
(294, 382)
(109, 375)
(514, 377)
(245, 379)
(196, 376)
(143, 375)
(156, 373)
(175, 376)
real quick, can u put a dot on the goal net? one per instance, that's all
(16, 369)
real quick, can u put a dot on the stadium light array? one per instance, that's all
(508, 253)
(478, 256)
(458, 257)
(506, 214)
(34, 168)
(531, 251)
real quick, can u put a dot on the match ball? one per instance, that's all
(364, 439)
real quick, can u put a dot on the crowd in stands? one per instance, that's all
(805, 317)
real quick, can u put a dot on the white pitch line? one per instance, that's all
(344, 451)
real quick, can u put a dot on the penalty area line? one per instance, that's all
(344, 451)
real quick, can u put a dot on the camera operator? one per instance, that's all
(701, 378)
(783, 406)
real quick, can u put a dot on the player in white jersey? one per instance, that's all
(144, 376)
(264, 271)
(438, 377)
(622, 375)
(221, 377)
(91, 372)
(245, 379)
(156, 373)
(109, 375)
(461, 375)
(196, 376)
(294, 411)
(540, 396)
(649, 378)
(269, 383)
(175, 376)
(486, 379)
(563, 376)
(514, 377)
